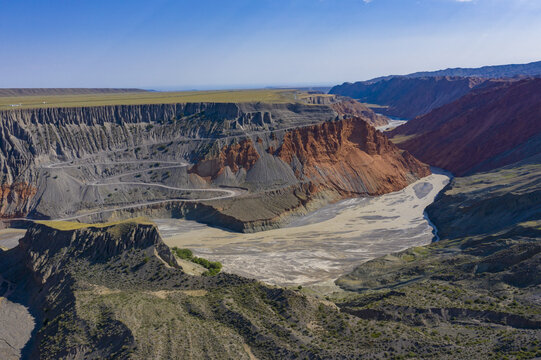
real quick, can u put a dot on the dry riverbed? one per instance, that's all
(9, 238)
(317, 248)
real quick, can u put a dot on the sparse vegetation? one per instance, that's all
(213, 267)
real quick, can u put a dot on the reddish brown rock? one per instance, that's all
(481, 131)
(351, 157)
(410, 97)
(236, 156)
(15, 197)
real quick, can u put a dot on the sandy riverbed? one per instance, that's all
(321, 246)
(9, 238)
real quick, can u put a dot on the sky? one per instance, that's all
(204, 44)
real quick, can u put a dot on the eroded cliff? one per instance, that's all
(349, 156)
(410, 97)
(115, 159)
(484, 130)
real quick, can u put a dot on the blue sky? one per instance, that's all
(204, 44)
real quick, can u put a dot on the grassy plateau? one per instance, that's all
(150, 97)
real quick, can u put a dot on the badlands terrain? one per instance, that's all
(274, 224)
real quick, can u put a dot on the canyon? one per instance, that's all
(336, 238)
(315, 249)
(268, 160)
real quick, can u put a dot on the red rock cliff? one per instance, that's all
(349, 156)
(236, 156)
(484, 130)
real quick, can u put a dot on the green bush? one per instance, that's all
(185, 254)
(213, 267)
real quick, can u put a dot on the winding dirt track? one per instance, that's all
(226, 193)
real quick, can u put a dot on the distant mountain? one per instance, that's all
(532, 69)
(408, 96)
(484, 130)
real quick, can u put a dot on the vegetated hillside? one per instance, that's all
(116, 291)
(286, 157)
(484, 130)
(480, 283)
(409, 97)
(62, 91)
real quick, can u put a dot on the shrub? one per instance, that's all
(185, 254)
(213, 267)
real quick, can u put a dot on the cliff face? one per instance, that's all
(352, 108)
(236, 156)
(42, 244)
(349, 156)
(484, 130)
(308, 150)
(31, 138)
(409, 97)
(299, 170)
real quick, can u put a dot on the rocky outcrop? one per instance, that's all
(242, 155)
(484, 130)
(43, 242)
(350, 157)
(15, 198)
(295, 171)
(352, 108)
(409, 97)
(56, 263)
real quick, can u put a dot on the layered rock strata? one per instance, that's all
(299, 155)
(484, 130)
